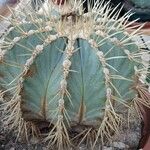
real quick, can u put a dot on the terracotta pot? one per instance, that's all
(147, 144)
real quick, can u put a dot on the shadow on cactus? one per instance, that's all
(72, 74)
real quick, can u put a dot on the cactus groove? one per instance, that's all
(74, 73)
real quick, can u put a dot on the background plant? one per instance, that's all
(141, 3)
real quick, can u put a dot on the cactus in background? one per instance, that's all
(141, 3)
(75, 72)
(139, 8)
(4, 7)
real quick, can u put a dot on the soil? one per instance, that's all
(127, 139)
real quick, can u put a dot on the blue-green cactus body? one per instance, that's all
(85, 83)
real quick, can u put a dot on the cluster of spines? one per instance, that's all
(111, 118)
(61, 136)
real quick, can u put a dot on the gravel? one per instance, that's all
(127, 140)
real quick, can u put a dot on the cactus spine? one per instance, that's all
(73, 71)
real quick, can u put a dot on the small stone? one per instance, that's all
(2, 145)
(82, 147)
(34, 140)
(12, 148)
(107, 148)
(119, 145)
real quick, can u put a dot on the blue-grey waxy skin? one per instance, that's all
(86, 83)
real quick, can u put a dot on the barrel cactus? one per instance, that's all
(72, 73)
